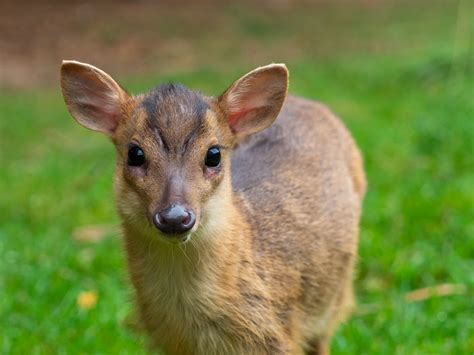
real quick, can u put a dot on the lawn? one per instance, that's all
(411, 109)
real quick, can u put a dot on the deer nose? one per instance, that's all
(175, 219)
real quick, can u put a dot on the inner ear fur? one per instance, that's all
(254, 101)
(92, 96)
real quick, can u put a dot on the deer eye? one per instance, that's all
(213, 157)
(136, 156)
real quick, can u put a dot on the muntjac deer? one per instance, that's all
(240, 213)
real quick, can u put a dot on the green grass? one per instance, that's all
(411, 112)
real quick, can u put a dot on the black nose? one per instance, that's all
(174, 220)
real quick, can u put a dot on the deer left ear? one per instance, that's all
(92, 97)
(253, 102)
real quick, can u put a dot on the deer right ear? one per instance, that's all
(253, 102)
(92, 97)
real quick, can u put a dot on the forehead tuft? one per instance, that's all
(173, 103)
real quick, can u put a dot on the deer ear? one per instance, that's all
(253, 102)
(92, 97)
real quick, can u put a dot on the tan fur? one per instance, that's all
(267, 269)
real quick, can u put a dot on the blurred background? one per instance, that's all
(399, 73)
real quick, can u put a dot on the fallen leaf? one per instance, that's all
(87, 299)
(435, 291)
(93, 233)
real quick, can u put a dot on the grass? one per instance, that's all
(412, 113)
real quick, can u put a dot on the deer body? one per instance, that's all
(267, 266)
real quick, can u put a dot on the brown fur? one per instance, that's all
(267, 269)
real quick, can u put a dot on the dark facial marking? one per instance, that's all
(175, 114)
(161, 138)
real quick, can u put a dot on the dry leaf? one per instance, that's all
(87, 299)
(93, 233)
(434, 291)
